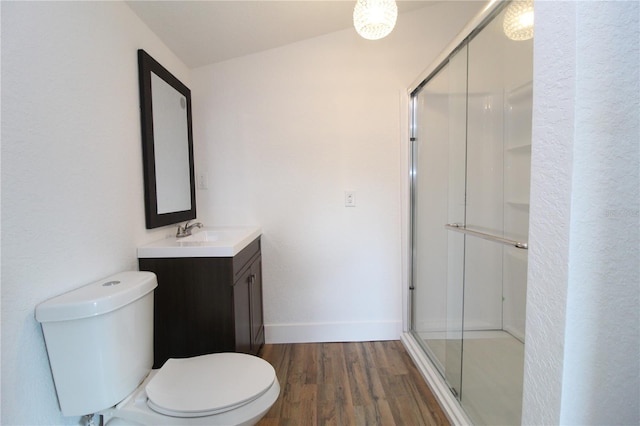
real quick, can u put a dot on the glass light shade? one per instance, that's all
(375, 19)
(518, 20)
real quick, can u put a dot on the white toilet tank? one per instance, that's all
(99, 339)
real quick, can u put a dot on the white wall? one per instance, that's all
(283, 133)
(583, 312)
(72, 194)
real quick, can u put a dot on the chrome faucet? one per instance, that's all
(185, 231)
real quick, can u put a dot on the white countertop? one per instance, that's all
(219, 241)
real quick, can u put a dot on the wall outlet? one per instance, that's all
(349, 198)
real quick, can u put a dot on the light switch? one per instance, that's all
(349, 198)
(202, 180)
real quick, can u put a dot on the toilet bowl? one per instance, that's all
(102, 334)
(180, 393)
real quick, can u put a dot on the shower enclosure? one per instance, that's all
(470, 166)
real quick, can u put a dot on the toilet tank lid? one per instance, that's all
(97, 298)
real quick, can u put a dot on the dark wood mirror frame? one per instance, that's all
(146, 66)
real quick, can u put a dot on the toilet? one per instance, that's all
(99, 339)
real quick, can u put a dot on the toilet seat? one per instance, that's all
(208, 384)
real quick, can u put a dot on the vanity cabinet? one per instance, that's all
(207, 304)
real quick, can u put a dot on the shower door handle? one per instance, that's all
(463, 229)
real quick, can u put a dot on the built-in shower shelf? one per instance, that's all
(520, 148)
(517, 255)
(519, 204)
(521, 94)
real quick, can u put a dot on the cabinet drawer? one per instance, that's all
(241, 260)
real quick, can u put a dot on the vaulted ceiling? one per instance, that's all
(205, 32)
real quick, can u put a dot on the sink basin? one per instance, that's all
(210, 235)
(205, 242)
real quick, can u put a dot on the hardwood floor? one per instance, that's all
(361, 383)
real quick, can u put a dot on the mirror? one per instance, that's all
(167, 145)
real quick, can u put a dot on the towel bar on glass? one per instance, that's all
(461, 228)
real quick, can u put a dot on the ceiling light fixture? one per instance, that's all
(518, 20)
(375, 19)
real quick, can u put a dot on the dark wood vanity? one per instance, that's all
(207, 304)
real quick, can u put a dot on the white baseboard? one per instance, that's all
(333, 332)
(438, 386)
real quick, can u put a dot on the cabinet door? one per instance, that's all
(257, 321)
(193, 307)
(242, 311)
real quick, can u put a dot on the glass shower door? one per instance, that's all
(471, 156)
(498, 169)
(438, 197)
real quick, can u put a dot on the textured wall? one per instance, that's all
(582, 346)
(72, 195)
(551, 167)
(601, 380)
